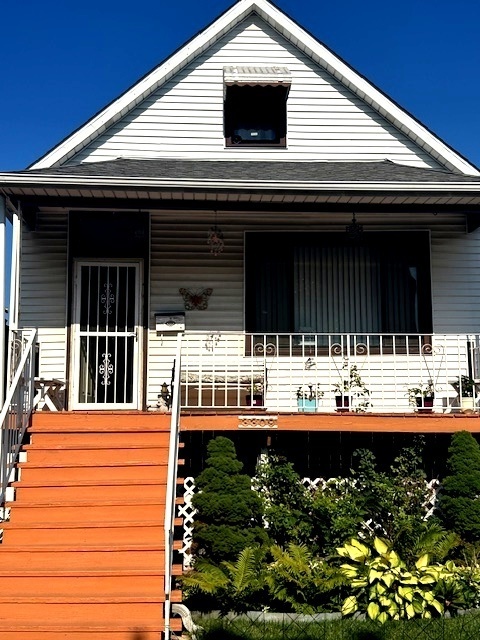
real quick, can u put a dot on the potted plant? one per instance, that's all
(422, 396)
(465, 388)
(351, 386)
(255, 397)
(307, 397)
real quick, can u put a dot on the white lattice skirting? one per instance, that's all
(187, 511)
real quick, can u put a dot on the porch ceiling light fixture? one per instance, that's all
(354, 230)
(215, 239)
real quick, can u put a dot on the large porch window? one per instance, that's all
(325, 283)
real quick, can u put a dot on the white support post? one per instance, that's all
(13, 307)
(14, 273)
(3, 216)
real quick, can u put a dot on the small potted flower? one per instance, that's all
(308, 396)
(422, 396)
(255, 397)
(465, 388)
(351, 386)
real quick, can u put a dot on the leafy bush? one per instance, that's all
(391, 503)
(229, 512)
(385, 589)
(459, 501)
(287, 504)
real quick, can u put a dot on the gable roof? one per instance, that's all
(300, 38)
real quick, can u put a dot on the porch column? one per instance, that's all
(3, 216)
(14, 290)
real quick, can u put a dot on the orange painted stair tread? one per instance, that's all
(83, 552)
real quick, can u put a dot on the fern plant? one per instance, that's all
(231, 586)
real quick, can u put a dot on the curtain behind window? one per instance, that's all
(321, 283)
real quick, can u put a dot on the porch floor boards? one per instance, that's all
(83, 553)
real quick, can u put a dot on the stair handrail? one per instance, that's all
(171, 490)
(16, 412)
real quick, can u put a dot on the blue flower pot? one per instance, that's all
(307, 406)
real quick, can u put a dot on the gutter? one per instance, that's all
(66, 181)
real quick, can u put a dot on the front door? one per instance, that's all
(106, 340)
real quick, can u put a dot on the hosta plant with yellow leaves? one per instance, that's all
(384, 587)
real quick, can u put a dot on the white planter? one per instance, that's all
(467, 403)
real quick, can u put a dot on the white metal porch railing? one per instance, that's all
(17, 408)
(381, 373)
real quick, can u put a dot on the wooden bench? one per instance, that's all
(49, 394)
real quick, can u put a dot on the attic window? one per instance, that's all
(256, 106)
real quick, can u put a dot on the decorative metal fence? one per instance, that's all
(289, 626)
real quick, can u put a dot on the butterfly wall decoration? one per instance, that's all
(196, 299)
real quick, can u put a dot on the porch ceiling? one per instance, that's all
(158, 183)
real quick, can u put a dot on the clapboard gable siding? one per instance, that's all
(184, 118)
(43, 289)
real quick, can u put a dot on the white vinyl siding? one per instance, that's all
(43, 290)
(456, 281)
(184, 118)
(181, 258)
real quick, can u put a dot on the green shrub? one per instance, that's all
(229, 512)
(287, 504)
(459, 501)
(393, 502)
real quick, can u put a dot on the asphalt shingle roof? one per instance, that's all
(385, 171)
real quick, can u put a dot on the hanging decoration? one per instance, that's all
(354, 230)
(215, 239)
(196, 299)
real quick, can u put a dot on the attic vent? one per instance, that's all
(252, 76)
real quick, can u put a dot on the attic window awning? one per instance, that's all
(253, 76)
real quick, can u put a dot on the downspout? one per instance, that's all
(170, 498)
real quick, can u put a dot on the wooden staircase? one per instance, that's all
(83, 553)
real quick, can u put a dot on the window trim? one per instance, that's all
(233, 105)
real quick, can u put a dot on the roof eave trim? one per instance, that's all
(65, 181)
